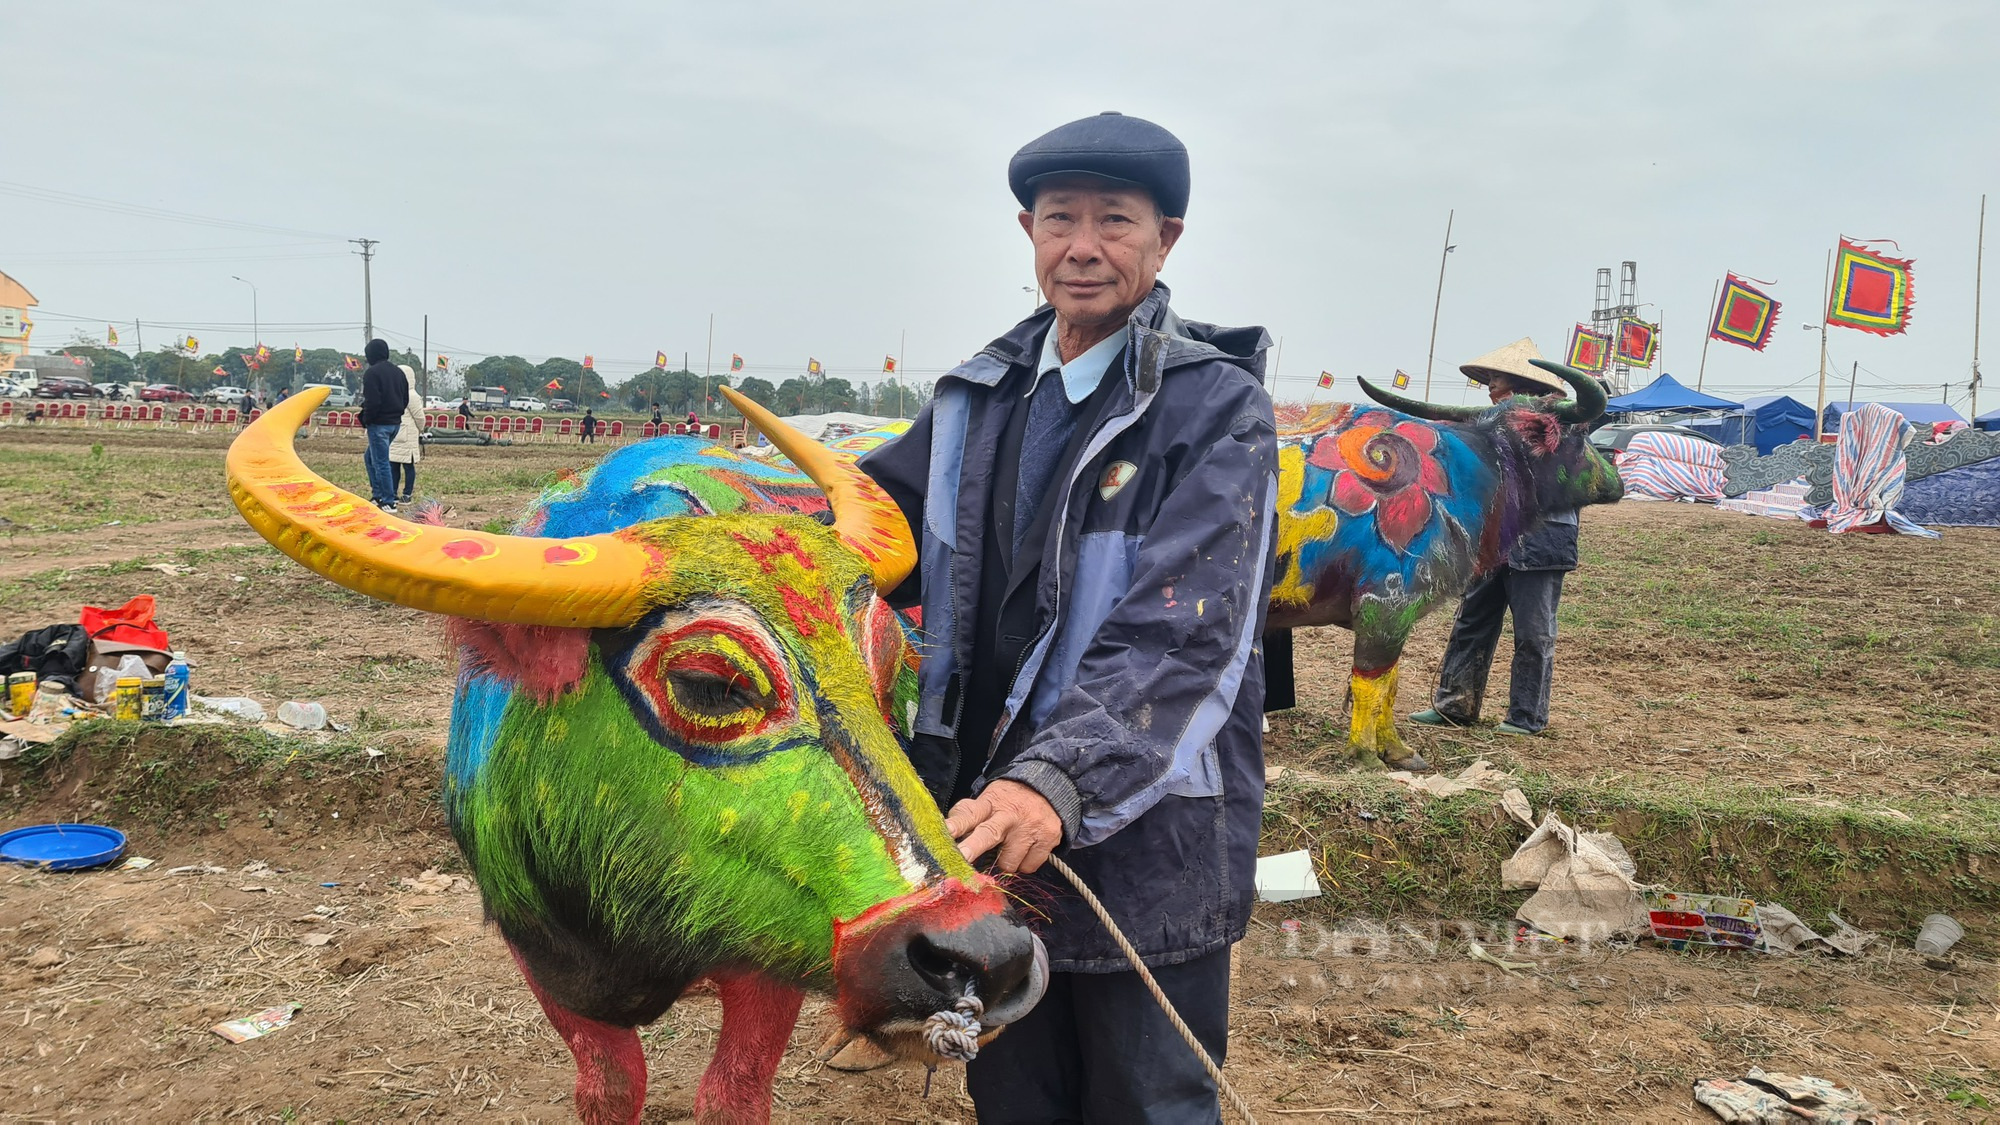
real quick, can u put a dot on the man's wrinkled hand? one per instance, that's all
(1012, 817)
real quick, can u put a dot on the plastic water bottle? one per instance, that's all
(177, 687)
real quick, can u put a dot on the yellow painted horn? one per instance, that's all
(597, 581)
(863, 515)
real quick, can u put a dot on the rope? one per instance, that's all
(1146, 975)
(954, 1032)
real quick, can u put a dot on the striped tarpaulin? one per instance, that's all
(1672, 467)
(1868, 468)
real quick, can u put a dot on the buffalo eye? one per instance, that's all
(703, 684)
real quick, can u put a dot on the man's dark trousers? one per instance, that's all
(1532, 596)
(380, 482)
(1106, 1025)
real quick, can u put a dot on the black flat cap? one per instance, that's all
(1111, 145)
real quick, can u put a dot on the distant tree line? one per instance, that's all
(672, 392)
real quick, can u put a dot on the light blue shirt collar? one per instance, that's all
(1081, 375)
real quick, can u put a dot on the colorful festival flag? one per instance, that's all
(352, 363)
(604, 394)
(589, 363)
(1744, 315)
(1325, 380)
(889, 364)
(1401, 381)
(77, 359)
(813, 367)
(444, 363)
(110, 336)
(263, 355)
(192, 344)
(1588, 349)
(735, 362)
(220, 371)
(660, 360)
(1871, 292)
(552, 385)
(1637, 341)
(298, 354)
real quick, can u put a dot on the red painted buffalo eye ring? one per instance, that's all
(709, 683)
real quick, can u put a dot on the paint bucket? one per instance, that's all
(20, 692)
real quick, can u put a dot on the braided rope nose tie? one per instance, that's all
(954, 1032)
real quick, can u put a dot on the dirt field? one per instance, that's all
(1715, 669)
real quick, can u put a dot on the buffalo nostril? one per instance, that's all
(992, 957)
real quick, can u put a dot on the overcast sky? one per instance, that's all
(561, 179)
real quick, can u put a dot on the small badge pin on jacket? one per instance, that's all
(1117, 475)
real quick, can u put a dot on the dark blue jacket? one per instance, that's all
(1136, 707)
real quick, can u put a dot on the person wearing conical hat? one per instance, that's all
(1528, 585)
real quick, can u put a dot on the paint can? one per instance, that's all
(20, 692)
(128, 697)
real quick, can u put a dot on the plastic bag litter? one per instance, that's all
(236, 705)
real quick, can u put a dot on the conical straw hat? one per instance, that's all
(1513, 360)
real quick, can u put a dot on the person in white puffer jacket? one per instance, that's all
(407, 448)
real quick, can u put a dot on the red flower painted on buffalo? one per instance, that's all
(1384, 466)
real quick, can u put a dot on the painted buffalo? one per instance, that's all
(1386, 514)
(675, 750)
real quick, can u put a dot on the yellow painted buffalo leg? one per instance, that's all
(1371, 732)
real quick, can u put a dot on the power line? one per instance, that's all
(142, 211)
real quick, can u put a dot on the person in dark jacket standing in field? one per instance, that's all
(1093, 494)
(385, 394)
(587, 432)
(1529, 585)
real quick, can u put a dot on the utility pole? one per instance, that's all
(367, 288)
(902, 370)
(424, 380)
(1439, 302)
(1978, 265)
(1852, 373)
(1826, 306)
(708, 362)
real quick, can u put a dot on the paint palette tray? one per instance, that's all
(1681, 919)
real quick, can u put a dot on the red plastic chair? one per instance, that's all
(563, 428)
(6, 407)
(231, 419)
(458, 421)
(646, 429)
(535, 427)
(617, 429)
(256, 414)
(184, 412)
(486, 423)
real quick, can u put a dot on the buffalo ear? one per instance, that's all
(1542, 432)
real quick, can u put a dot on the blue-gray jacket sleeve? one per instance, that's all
(902, 467)
(1161, 674)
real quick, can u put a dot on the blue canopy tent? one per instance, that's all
(1920, 414)
(1666, 395)
(1766, 421)
(1988, 421)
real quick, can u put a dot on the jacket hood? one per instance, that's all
(377, 351)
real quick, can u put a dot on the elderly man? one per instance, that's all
(1093, 492)
(1529, 585)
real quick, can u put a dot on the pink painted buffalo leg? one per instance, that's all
(610, 1065)
(757, 1020)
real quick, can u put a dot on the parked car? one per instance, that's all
(337, 398)
(527, 402)
(14, 388)
(224, 396)
(64, 386)
(164, 392)
(433, 402)
(1615, 437)
(113, 390)
(562, 406)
